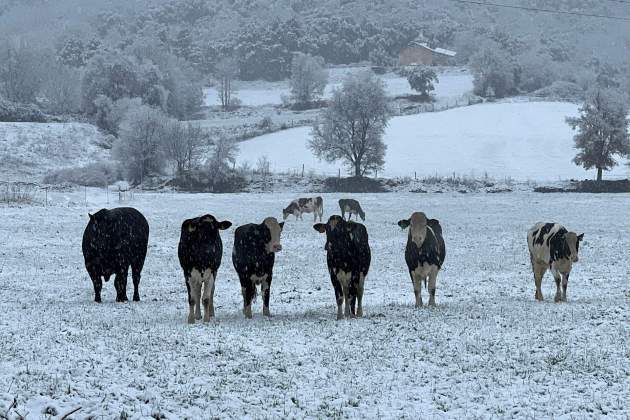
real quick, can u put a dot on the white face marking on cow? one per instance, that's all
(275, 229)
(418, 228)
(572, 240)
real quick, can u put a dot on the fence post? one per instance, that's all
(46, 189)
(302, 170)
(85, 194)
(339, 174)
(415, 175)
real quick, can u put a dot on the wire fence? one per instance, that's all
(20, 193)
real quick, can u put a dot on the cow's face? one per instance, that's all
(335, 224)
(573, 241)
(205, 225)
(98, 221)
(275, 229)
(285, 213)
(417, 225)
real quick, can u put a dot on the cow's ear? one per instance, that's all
(91, 216)
(281, 225)
(404, 224)
(224, 225)
(580, 237)
(320, 227)
(189, 226)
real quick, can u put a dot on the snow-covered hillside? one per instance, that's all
(528, 140)
(452, 84)
(488, 350)
(29, 151)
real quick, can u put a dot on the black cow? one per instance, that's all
(348, 258)
(253, 257)
(200, 252)
(424, 254)
(113, 241)
(350, 206)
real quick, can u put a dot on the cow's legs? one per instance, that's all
(558, 279)
(352, 296)
(338, 295)
(208, 288)
(135, 275)
(197, 294)
(191, 302)
(248, 291)
(432, 280)
(266, 292)
(539, 272)
(565, 285)
(360, 295)
(97, 282)
(416, 280)
(120, 283)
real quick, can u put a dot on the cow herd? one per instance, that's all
(116, 240)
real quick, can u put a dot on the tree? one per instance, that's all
(223, 155)
(20, 73)
(226, 71)
(308, 78)
(602, 131)
(494, 72)
(351, 128)
(182, 143)
(421, 80)
(138, 147)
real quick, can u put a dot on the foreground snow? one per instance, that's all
(523, 141)
(487, 350)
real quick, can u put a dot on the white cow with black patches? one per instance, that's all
(552, 247)
(200, 251)
(425, 253)
(253, 257)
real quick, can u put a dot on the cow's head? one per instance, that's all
(417, 225)
(275, 229)
(334, 223)
(204, 226)
(98, 220)
(573, 242)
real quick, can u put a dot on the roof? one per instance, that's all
(441, 51)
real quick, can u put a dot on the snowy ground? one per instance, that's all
(452, 83)
(28, 151)
(529, 140)
(487, 350)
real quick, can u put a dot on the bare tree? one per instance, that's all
(308, 78)
(226, 71)
(20, 80)
(222, 157)
(182, 144)
(61, 90)
(351, 128)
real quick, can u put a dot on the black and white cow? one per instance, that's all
(313, 205)
(351, 206)
(348, 259)
(253, 257)
(113, 241)
(424, 254)
(553, 247)
(200, 251)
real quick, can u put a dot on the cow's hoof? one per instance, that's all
(122, 299)
(191, 320)
(97, 300)
(266, 312)
(557, 299)
(136, 298)
(198, 317)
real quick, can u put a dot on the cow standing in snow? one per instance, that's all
(200, 251)
(424, 254)
(253, 257)
(113, 241)
(553, 247)
(313, 205)
(348, 259)
(351, 206)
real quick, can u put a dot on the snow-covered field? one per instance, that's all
(524, 141)
(28, 151)
(452, 83)
(487, 350)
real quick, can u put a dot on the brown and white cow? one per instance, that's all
(313, 205)
(253, 257)
(553, 247)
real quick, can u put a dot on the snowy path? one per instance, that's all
(487, 350)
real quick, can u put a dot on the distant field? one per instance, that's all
(519, 140)
(28, 151)
(453, 83)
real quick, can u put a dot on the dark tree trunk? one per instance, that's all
(357, 169)
(599, 174)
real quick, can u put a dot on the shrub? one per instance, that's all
(354, 185)
(97, 174)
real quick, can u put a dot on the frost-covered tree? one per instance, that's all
(494, 72)
(138, 148)
(351, 128)
(20, 73)
(222, 157)
(182, 145)
(226, 72)
(421, 79)
(308, 78)
(602, 131)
